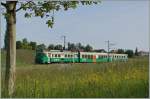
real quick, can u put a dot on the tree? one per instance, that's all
(130, 53)
(71, 46)
(33, 45)
(58, 47)
(51, 47)
(120, 51)
(37, 9)
(136, 52)
(18, 44)
(41, 47)
(79, 46)
(88, 48)
(25, 43)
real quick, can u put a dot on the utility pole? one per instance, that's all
(108, 48)
(64, 37)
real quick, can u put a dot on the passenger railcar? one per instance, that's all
(56, 56)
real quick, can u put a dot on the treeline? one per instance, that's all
(70, 47)
(25, 44)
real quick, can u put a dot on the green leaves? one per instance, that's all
(28, 15)
(50, 23)
(46, 8)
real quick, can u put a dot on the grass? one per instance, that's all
(103, 80)
(23, 57)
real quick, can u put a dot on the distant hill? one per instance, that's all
(24, 57)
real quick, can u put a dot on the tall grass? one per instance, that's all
(116, 79)
(24, 57)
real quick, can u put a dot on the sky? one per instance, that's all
(124, 23)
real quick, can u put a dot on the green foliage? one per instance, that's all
(18, 44)
(51, 47)
(88, 48)
(46, 8)
(130, 53)
(120, 51)
(33, 45)
(41, 47)
(71, 46)
(24, 44)
(79, 46)
(50, 23)
(136, 52)
(27, 15)
(58, 47)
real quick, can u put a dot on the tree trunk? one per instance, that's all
(11, 47)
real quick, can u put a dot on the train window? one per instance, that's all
(49, 54)
(52, 55)
(71, 55)
(58, 55)
(88, 56)
(82, 56)
(55, 55)
(65, 55)
(68, 55)
(91, 56)
(85, 56)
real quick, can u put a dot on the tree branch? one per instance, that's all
(3, 4)
(22, 7)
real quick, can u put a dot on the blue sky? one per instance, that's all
(125, 23)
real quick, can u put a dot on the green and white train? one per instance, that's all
(56, 56)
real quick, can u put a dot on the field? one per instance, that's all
(115, 79)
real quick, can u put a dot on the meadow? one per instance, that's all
(102, 80)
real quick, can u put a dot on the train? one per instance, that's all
(57, 56)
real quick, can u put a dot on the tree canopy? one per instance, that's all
(46, 9)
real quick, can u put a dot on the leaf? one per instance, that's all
(50, 23)
(27, 15)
